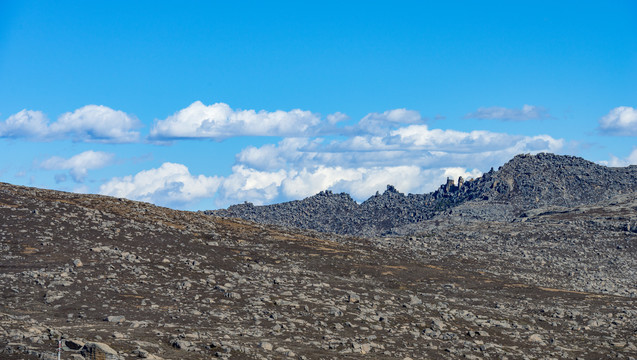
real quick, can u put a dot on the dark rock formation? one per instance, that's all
(325, 211)
(525, 182)
(98, 351)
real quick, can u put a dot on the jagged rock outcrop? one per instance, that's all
(536, 181)
(525, 182)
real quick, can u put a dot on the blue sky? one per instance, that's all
(199, 105)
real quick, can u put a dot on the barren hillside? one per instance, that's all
(122, 279)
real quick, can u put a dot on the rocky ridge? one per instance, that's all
(526, 182)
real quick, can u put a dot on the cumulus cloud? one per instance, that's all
(97, 123)
(91, 123)
(278, 156)
(79, 164)
(247, 184)
(420, 136)
(621, 121)
(219, 121)
(25, 124)
(528, 112)
(299, 184)
(170, 185)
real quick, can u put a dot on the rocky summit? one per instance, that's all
(531, 261)
(526, 182)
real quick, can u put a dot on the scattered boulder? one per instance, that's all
(115, 318)
(536, 338)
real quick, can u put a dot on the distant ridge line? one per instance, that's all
(523, 183)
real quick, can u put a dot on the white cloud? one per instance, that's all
(528, 112)
(621, 120)
(306, 182)
(271, 156)
(614, 161)
(25, 124)
(170, 185)
(91, 123)
(422, 137)
(397, 116)
(219, 121)
(97, 123)
(79, 164)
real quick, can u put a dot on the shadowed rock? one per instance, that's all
(98, 351)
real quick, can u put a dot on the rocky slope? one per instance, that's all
(524, 183)
(116, 279)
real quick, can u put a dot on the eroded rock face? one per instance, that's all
(524, 183)
(157, 283)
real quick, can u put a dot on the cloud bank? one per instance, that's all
(394, 147)
(219, 121)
